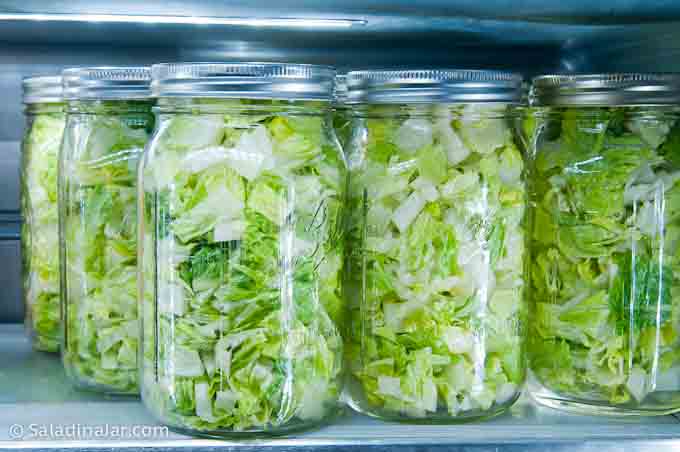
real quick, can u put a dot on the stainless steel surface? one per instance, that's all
(292, 22)
(607, 89)
(243, 80)
(10, 277)
(345, 33)
(10, 156)
(44, 89)
(582, 11)
(106, 83)
(440, 85)
(35, 395)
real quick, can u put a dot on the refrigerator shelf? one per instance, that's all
(39, 411)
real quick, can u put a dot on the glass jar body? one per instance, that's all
(604, 260)
(40, 227)
(435, 284)
(342, 123)
(103, 142)
(242, 205)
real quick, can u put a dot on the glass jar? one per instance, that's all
(341, 114)
(109, 121)
(40, 227)
(241, 194)
(436, 244)
(605, 266)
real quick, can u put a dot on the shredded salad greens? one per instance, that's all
(40, 229)
(99, 242)
(243, 263)
(605, 266)
(435, 277)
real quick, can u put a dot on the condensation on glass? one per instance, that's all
(39, 231)
(109, 121)
(605, 267)
(436, 245)
(241, 194)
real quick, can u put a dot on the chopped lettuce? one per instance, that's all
(99, 244)
(39, 233)
(435, 279)
(242, 266)
(604, 270)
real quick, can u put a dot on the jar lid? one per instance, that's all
(38, 90)
(340, 95)
(606, 89)
(106, 83)
(243, 80)
(435, 85)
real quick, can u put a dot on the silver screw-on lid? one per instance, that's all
(243, 80)
(340, 95)
(606, 89)
(38, 90)
(435, 85)
(106, 83)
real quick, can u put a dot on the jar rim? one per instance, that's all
(433, 86)
(246, 80)
(42, 89)
(106, 83)
(606, 89)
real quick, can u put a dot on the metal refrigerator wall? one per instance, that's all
(532, 36)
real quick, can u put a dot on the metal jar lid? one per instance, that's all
(606, 89)
(106, 83)
(436, 85)
(340, 96)
(38, 90)
(243, 81)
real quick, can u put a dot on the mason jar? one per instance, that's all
(241, 194)
(109, 120)
(341, 115)
(39, 230)
(436, 239)
(605, 260)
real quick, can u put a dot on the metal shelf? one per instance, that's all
(35, 395)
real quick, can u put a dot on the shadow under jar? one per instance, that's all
(109, 121)
(436, 245)
(241, 195)
(40, 228)
(605, 260)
